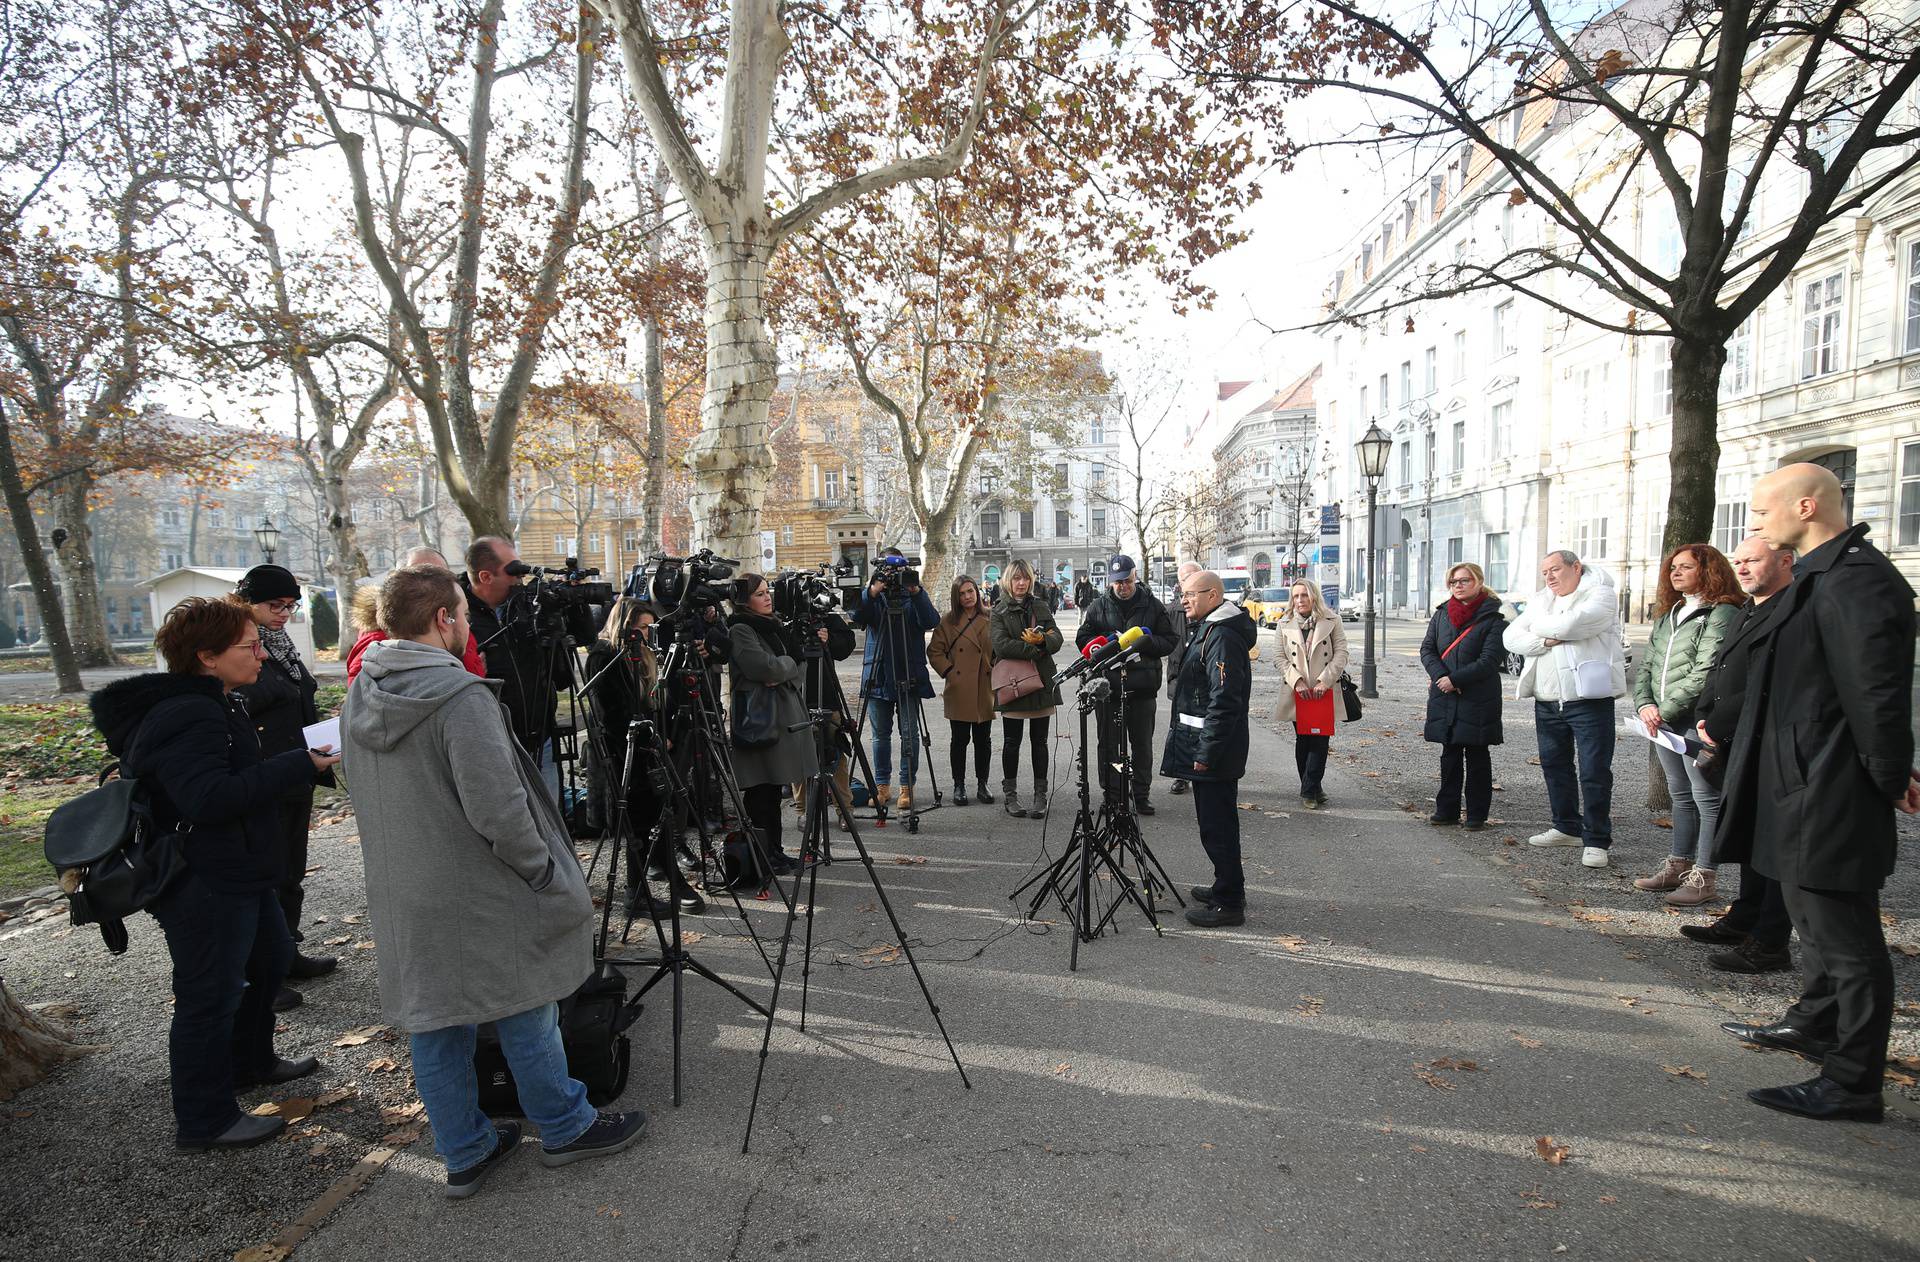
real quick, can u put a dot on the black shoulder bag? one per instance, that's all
(112, 858)
(1350, 697)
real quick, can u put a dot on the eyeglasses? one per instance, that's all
(252, 646)
(1456, 582)
(283, 606)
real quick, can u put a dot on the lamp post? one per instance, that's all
(267, 535)
(1373, 449)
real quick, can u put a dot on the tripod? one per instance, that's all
(824, 723)
(1110, 839)
(823, 688)
(898, 676)
(674, 792)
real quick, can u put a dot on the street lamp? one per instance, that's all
(267, 535)
(1373, 449)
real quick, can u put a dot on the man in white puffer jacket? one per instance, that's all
(1570, 636)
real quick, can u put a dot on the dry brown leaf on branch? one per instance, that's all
(1685, 1071)
(360, 1035)
(1551, 1153)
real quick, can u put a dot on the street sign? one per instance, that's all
(766, 552)
(1330, 592)
(1330, 519)
(1329, 553)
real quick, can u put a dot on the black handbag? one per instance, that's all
(1350, 697)
(124, 861)
(756, 718)
(593, 1024)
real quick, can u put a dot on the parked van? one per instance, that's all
(1236, 583)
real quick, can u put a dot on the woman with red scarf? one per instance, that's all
(1462, 652)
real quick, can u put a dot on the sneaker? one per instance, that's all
(1593, 857)
(1695, 888)
(1553, 837)
(1672, 869)
(1180, 788)
(609, 1134)
(1751, 957)
(464, 1183)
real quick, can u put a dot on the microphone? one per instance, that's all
(1101, 651)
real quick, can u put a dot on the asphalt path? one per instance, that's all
(1372, 1067)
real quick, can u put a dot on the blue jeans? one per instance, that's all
(230, 953)
(1576, 757)
(1696, 809)
(881, 714)
(551, 1099)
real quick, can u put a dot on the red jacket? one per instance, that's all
(470, 659)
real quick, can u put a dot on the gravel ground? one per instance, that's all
(1386, 747)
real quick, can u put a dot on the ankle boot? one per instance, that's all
(1696, 887)
(1011, 793)
(1039, 808)
(1667, 878)
(980, 792)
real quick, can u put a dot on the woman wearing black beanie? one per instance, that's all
(281, 705)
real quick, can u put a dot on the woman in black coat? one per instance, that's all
(281, 703)
(191, 745)
(1462, 652)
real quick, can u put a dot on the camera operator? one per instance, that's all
(1127, 603)
(896, 615)
(624, 677)
(522, 656)
(804, 603)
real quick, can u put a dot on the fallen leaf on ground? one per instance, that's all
(1459, 1066)
(1593, 917)
(1628, 1000)
(1431, 1079)
(1524, 1041)
(1899, 1079)
(354, 919)
(1609, 1200)
(1907, 948)
(364, 946)
(341, 940)
(402, 1112)
(1063, 1067)
(404, 1136)
(1551, 1153)
(360, 1035)
(1909, 1063)
(327, 1099)
(1310, 1005)
(904, 859)
(318, 867)
(1685, 1071)
(385, 1065)
(1661, 821)
(1292, 941)
(292, 1109)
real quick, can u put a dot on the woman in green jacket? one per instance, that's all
(1698, 600)
(1023, 629)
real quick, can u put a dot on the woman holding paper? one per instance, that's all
(281, 705)
(1313, 655)
(1462, 653)
(1698, 600)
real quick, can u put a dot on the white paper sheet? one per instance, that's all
(324, 734)
(1666, 736)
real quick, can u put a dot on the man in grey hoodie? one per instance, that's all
(480, 910)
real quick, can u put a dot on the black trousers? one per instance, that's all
(1761, 910)
(1310, 756)
(980, 736)
(1011, 729)
(1847, 981)
(230, 954)
(296, 821)
(1474, 764)
(763, 812)
(1216, 810)
(1141, 708)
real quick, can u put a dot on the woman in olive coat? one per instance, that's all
(1024, 630)
(1462, 653)
(961, 653)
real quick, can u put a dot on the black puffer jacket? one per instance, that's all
(1471, 714)
(1108, 615)
(194, 749)
(1210, 698)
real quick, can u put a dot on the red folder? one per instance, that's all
(1313, 716)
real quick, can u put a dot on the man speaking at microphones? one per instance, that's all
(1125, 604)
(1207, 738)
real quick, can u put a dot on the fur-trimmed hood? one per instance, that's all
(123, 705)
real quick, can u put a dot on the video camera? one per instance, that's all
(542, 607)
(803, 598)
(681, 584)
(896, 572)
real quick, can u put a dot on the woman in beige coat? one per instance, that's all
(1313, 655)
(961, 653)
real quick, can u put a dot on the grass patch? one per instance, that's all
(23, 820)
(42, 663)
(50, 740)
(329, 699)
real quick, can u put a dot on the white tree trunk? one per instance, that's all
(730, 459)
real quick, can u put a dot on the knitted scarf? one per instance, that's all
(1461, 614)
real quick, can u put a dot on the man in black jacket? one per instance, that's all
(1207, 739)
(1756, 928)
(531, 668)
(1177, 619)
(1821, 758)
(1128, 603)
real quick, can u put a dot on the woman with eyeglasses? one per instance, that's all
(281, 703)
(196, 754)
(1462, 652)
